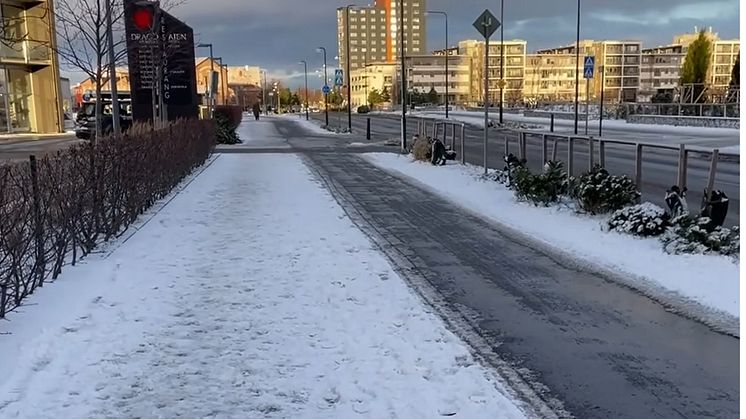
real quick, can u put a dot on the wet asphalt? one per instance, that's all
(583, 344)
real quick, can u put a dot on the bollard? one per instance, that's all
(590, 154)
(367, 129)
(551, 123)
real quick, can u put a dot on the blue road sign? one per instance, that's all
(338, 77)
(588, 65)
(326, 89)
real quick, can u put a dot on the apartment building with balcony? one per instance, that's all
(30, 97)
(551, 72)
(426, 72)
(661, 66)
(514, 70)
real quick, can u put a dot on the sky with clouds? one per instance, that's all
(276, 34)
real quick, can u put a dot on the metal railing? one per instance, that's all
(435, 125)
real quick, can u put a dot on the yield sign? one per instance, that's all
(486, 24)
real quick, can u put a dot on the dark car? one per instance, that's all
(363, 109)
(85, 124)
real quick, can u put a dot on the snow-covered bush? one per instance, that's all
(598, 192)
(644, 220)
(692, 235)
(542, 189)
(337, 130)
(421, 149)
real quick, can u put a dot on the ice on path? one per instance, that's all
(250, 295)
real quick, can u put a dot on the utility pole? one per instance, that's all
(264, 92)
(326, 94)
(435, 12)
(403, 80)
(211, 98)
(305, 73)
(502, 59)
(116, 122)
(349, 87)
(577, 70)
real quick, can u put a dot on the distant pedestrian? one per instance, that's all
(256, 110)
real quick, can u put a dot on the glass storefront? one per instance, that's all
(19, 100)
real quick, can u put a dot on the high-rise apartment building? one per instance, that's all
(30, 99)
(513, 71)
(375, 32)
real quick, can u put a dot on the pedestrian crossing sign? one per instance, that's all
(588, 65)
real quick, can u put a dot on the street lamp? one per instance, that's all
(577, 69)
(326, 87)
(403, 80)
(305, 72)
(264, 91)
(435, 12)
(502, 59)
(220, 77)
(212, 71)
(349, 87)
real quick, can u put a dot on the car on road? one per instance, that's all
(363, 109)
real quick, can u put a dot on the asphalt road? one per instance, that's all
(565, 339)
(21, 149)
(659, 168)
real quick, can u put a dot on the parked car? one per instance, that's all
(363, 109)
(85, 124)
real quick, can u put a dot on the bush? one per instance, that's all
(542, 189)
(227, 119)
(692, 235)
(643, 220)
(422, 149)
(598, 192)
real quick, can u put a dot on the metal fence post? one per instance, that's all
(463, 148)
(522, 144)
(590, 154)
(554, 149)
(601, 152)
(453, 135)
(38, 228)
(543, 148)
(570, 146)
(638, 165)
(681, 181)
(506, 144)
(713, 170)
(551, 122)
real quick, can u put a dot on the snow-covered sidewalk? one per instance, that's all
(249, 295)
(712, 281)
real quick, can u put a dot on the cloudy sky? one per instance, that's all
(276, 34)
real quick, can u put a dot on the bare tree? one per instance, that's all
(82, 38)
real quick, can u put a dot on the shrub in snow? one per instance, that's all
(694, 235)
(421, 149)
(542, 189)
(644, 220)
(225, 129)
(337, 130)
(598, 192)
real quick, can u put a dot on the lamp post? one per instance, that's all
(220, 76)
(224, 84)
(502, 58)
(305, 73)
(326, 94)
(116, 128)
(264, 91)
(212, 71)
(349, 87)
(403, 80)
(577, 69)
(436, 12)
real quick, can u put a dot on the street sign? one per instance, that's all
(486, 24)
(326, 89)
(338, 77)
(588, 65)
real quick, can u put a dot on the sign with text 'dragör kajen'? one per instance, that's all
(157, 39)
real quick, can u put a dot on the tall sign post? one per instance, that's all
(601, 104)
(160, 54)
(588, 67)
(486, 24)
